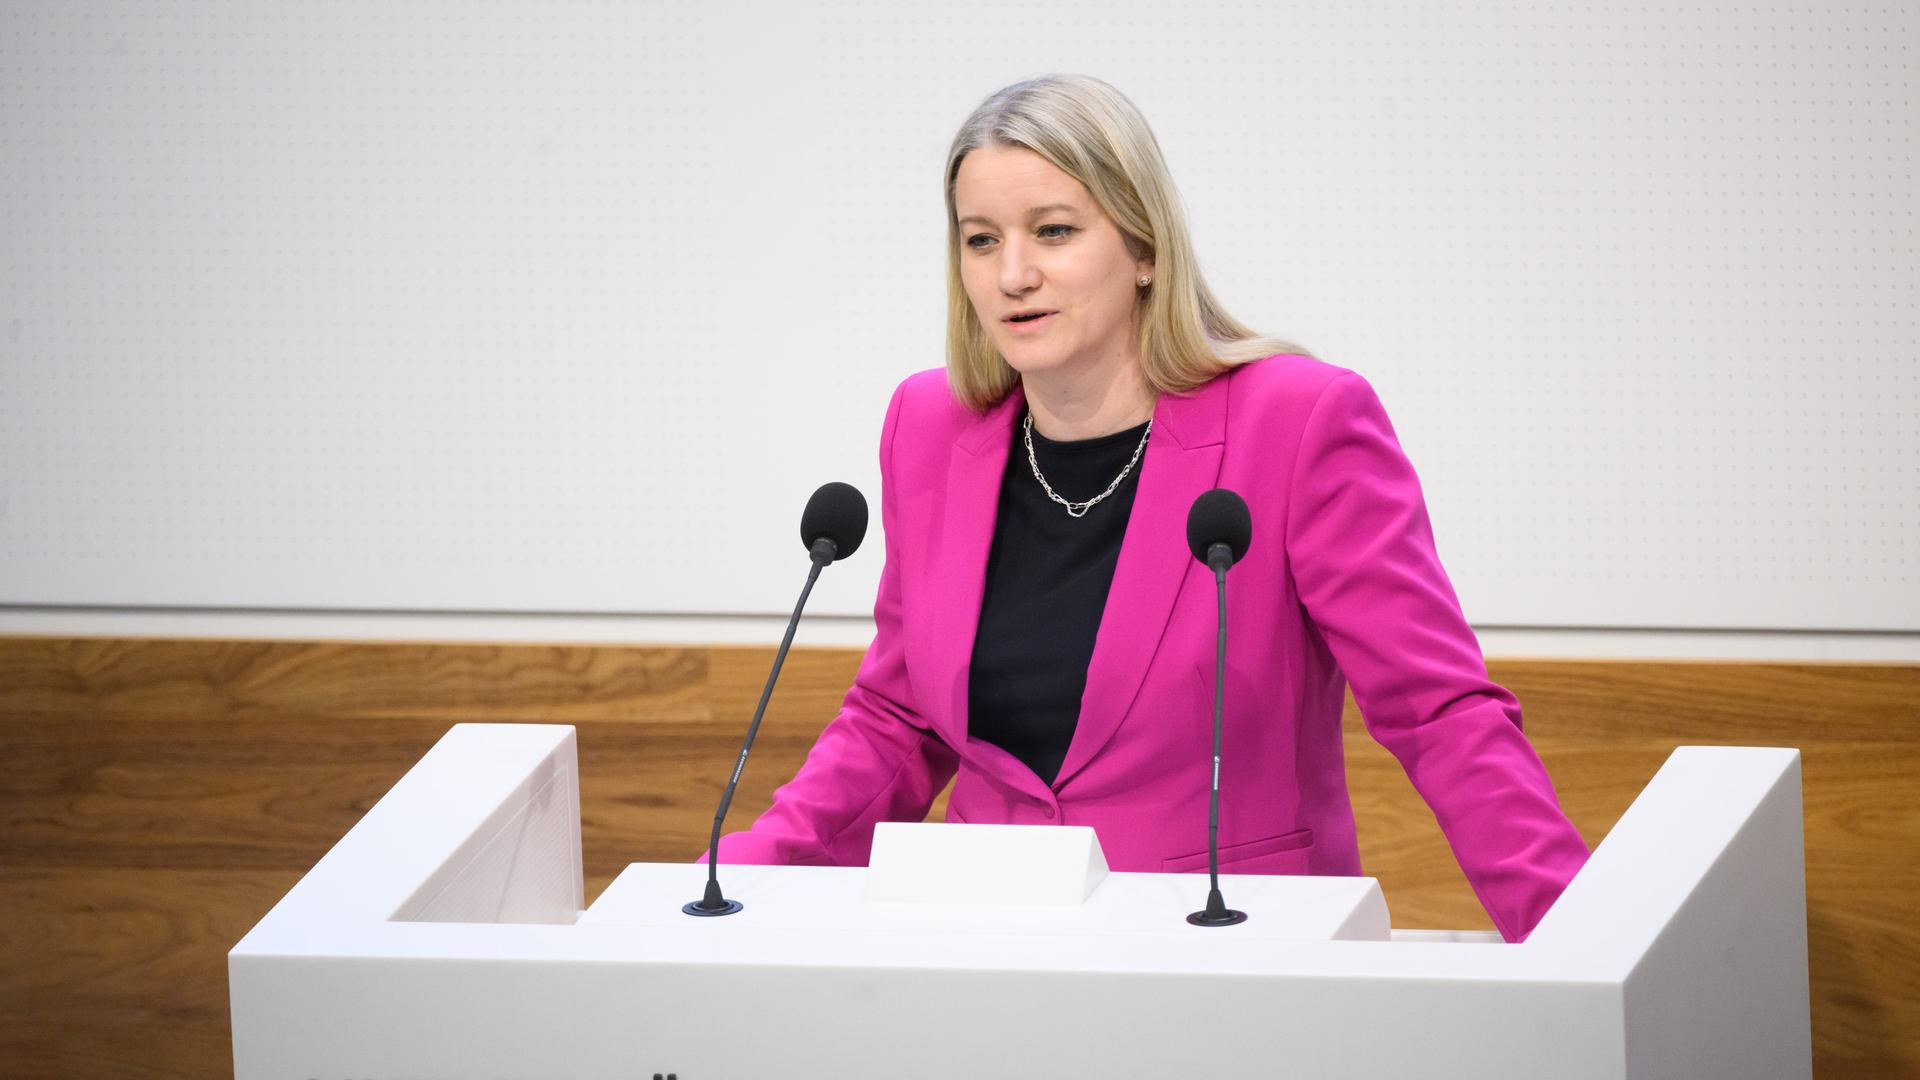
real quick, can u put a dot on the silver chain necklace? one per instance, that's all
(1080, 509)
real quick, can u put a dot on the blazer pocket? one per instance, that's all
(1252, 857)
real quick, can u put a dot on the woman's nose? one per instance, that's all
(1018, 273)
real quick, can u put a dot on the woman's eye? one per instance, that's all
(1044, 230)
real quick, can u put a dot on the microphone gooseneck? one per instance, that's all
(834, 523)
(1219, 529)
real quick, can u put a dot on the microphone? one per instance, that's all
(836, 516)
(1219, 528)
(831, 527)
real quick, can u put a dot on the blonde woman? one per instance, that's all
(1042, 630)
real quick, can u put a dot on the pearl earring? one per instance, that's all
(1145, 281)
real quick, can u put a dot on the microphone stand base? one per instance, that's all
(1221, 918)
(697, 908)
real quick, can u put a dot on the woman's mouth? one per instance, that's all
(1032, 325)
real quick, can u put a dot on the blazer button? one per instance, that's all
(1047, 810)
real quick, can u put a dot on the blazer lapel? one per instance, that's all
(963, 538)
(1182, 460)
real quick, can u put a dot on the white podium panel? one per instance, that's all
(924, 862)
(443, 936)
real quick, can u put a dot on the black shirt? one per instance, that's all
(1046, 587)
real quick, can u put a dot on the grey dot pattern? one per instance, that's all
(502, 306)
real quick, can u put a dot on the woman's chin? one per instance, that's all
(1028, 359)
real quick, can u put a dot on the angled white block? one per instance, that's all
(1698, 899)
(484, 829)
(1027, 865)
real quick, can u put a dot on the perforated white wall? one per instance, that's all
(515, 306)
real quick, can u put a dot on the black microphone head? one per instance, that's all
(1219, 517)
(837, 512)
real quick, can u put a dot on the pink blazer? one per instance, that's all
(1341, 582)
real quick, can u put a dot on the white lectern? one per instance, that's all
(444, 936)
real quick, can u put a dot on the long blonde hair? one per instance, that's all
(1090, 131)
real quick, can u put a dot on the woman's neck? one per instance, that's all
(1070, 406)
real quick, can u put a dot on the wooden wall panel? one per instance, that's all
(159, 795)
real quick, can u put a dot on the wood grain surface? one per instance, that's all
(161, 794)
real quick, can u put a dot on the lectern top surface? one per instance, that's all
(828, 899)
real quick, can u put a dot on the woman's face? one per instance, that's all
(1033, 238)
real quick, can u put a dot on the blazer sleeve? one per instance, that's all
(1365, 566)
(878, 760)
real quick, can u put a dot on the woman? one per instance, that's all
(1042, 630)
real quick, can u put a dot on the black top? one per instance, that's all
(1047, 581)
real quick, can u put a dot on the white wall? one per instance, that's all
(484, 319)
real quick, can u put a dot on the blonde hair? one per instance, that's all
(1090, 131)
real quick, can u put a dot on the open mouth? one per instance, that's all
(1030, 320)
